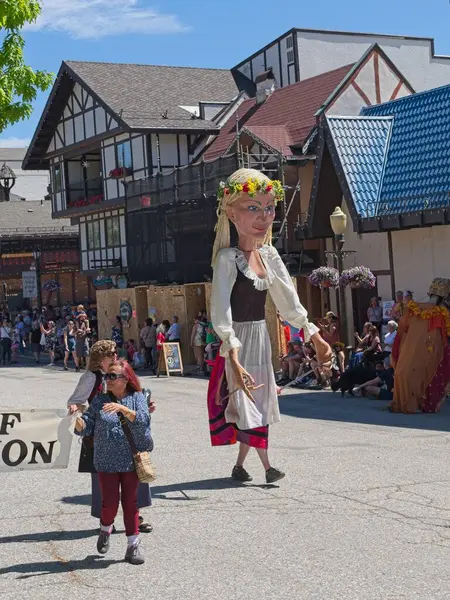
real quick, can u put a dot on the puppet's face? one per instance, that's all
(252, 217)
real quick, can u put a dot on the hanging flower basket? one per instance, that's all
(324, 277)
(357, 277)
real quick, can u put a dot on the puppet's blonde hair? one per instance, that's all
(222, 228)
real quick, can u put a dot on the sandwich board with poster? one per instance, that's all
(170, 359)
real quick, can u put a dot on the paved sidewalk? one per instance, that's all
(363, 514)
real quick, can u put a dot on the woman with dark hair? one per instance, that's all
(113, 457)
(81, 332)
(51, 340)
(373, 343)
(70, 345)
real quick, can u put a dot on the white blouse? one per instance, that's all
(278, 282)
(389, 339)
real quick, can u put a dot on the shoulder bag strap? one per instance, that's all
(126, 429)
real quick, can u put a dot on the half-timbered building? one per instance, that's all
(106, 125)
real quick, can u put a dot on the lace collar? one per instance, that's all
(260, 283)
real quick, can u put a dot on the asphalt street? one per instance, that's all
(363, 513)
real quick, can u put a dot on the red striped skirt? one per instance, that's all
(221, 432)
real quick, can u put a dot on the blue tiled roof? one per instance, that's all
(362, 143)
(416, 171)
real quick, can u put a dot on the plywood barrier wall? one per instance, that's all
(108, 308)
(167, 302)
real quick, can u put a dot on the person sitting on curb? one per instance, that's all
(381, 387)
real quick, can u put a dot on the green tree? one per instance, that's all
(19, 84)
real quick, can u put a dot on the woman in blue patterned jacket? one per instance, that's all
(113, 458)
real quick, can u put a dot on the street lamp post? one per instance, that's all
(338, 221)
(7, 180)
(37, 259)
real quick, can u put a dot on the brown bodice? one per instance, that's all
(247, 303)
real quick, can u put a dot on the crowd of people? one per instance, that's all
(146, 352)
(370, 354)
(63, 333)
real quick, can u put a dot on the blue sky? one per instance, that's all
(204, 33)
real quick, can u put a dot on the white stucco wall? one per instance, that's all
(372, 251)
(419, 256)
(31, 185)
(322, 52)
(371, 248)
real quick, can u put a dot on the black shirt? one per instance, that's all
(387, 377)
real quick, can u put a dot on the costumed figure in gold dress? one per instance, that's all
(421, 353)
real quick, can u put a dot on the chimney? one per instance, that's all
(265, 86)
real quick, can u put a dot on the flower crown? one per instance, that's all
(252, 187)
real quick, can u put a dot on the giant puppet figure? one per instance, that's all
(243, 395)
(421, 353)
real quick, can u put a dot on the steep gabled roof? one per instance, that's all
(411, 140)
(286, 118)
(139, 97)
(140, 94)
(393, 162)
(361, 144)
(417, 172)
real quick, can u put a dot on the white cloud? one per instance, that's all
(14, 142)
(94, 19)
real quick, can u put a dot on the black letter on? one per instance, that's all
(6, 451)
(6, 423)
(46, 456)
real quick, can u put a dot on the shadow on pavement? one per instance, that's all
(37, 569)
(84, 500)
(48, 536)
(327, 406)
(159, 491)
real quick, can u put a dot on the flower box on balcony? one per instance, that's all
(97, 199)
(121, 172)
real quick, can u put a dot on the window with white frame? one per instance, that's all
(57, 177)
(93, 235)
(112, 231)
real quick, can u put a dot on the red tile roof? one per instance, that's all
(285, 118)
